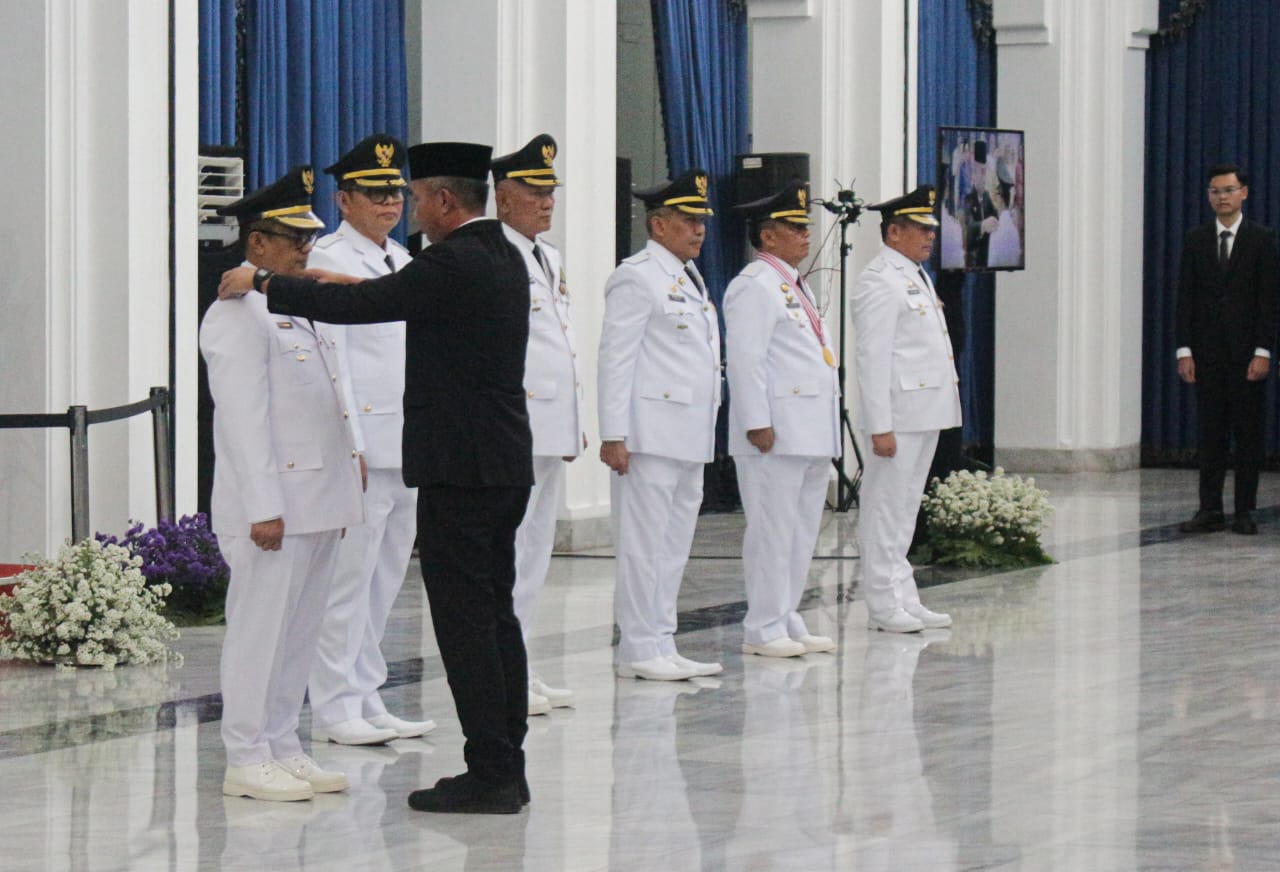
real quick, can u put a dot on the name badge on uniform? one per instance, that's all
(677, 298)
(912, 289)
(793, 305)
(285, 325)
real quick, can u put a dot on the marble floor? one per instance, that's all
(1118, 710)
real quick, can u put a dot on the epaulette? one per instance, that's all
(325, 241)
(638, 257)
(876, 265)
(753, 269)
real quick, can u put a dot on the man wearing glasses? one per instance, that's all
(346, 707)
(1226, 322)
(286, 482)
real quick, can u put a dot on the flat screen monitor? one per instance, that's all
(982, 199)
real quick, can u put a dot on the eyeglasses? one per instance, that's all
(1224, 192)
(302, 243)
(381, 196)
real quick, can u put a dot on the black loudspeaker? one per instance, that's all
(622, 206)
(756, 176)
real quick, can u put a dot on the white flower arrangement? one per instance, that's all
(975, 519)
(89, 606)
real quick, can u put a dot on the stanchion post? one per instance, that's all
(78, 417)
(160, 433)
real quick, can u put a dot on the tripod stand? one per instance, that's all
(848, 208)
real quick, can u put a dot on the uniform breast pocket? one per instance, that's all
(679, 316)
(541, 390)
(917, 304)
(298, 355)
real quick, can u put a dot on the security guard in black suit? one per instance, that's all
(1226, 324)
(467, 448)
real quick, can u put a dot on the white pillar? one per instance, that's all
(1069, 327)
(86, 121)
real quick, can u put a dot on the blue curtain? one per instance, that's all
(957, 88)
(702, 79)
(322, 75)
(1213, 95)
(218, 72)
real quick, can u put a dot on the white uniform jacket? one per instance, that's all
(778, 376)
(371, 355)
(659, 363)
(283, 447)
(552, 383)
(906, 375)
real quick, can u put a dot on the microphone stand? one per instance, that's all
(848, 208)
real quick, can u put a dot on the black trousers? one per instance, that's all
(466, 540)
(1230, 407)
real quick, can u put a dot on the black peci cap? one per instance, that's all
(465, 160)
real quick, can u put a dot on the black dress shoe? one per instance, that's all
(524, 790)
(1204, 521)
(466, 794)
(1244, 524)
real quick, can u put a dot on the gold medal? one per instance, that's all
(828, 356)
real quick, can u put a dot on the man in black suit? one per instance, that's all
(467, 447)
(1225, 332)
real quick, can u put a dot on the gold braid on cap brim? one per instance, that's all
(375, 178)
(535, 177)
(795, 216)
(684, 205)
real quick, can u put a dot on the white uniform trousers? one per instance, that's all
(275, 602)
(536, 537)
(889, 499)
(783, 496)
(655, 511)
(372, 560)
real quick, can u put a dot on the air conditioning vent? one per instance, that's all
(221, 183)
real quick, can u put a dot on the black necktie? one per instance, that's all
(542, 262)
(1224, 251)
(697, 282)
(391, 264)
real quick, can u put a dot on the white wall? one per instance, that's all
(1069, 328)
(86, 117)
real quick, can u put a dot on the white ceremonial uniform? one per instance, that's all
(373, 557)
(553, 393)
(659, 390)
(283, 451)
(779, 378)
(907, 384)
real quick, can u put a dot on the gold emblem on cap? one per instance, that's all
(701, 183)
(801, 197)
(385, 151)
(931, 197)
(309, 181)
(548, 153)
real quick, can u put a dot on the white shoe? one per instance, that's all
(538, 704)
(321, 780)
(896, 621)
(698, 668)
(404, 729)
(559, 697)
(356, 731)
(817, 644)
(265, 781)
(931, 620)
(779, 647)
(654, 669)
